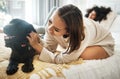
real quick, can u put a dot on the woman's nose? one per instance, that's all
(50, 29)
(90, 15)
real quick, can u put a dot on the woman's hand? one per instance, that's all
(35, 41)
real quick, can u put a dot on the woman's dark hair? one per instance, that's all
(72, 16)
(101, 12)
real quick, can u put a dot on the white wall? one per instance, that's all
(84, 4)
(114, 4)
(79, 3)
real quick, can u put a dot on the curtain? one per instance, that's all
(41, 10)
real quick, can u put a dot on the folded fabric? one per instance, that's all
(108, 22)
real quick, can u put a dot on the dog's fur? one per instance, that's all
(22, 52)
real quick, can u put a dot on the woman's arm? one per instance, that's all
(50, 42)
(48, 55)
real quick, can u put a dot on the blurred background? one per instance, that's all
(38, 11)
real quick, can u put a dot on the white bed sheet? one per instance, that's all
(94, 69)
(91, 69)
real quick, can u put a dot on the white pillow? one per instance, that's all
(2, 42)
(116, 36)
(109, 21)
(116, 25)
(4, 51)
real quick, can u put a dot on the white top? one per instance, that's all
(94, 35)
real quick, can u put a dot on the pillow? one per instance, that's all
(116, 25)
(4, 51)
(109, 21)
(116, 36)
(2, 43)
(39, 29)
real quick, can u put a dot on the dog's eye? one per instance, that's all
(8, 37)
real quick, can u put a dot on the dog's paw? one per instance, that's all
(11, 70)
(26, 68)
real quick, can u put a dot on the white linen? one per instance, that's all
(93, 69)
(109, 21)
(4, 51)
(116, 25)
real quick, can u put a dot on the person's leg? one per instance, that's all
(94, 52)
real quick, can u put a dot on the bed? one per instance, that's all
(81, 69)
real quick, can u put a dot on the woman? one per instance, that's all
(81, 38)
(98, 13)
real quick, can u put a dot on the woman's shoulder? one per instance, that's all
(89, 22)
(92, 26)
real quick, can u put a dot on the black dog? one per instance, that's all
(22, 52)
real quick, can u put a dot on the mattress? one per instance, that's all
(108, 68)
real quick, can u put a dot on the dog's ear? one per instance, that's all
(30, 28)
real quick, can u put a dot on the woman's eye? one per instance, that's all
(57, 30)
(49, 22)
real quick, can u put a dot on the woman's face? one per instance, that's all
(92, 15)
(56, 25)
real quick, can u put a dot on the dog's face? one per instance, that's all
(16, 32)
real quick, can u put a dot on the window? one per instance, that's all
(33, 11)
(4, 17)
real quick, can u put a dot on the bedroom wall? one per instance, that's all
(79, 3)
(84, 4)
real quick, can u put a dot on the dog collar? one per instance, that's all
(8, 37)
(23, 45)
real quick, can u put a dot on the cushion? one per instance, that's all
(4, 51)
(109, 21)
(116, 25)
(116, 36)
